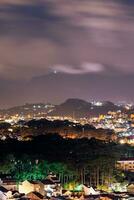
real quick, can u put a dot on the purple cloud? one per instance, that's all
(91, 43)
(37, 35)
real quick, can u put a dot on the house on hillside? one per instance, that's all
(52, 186)
(126, 164)
(8, 182)
(17, 195)
(130, 188)
(4, 193)
(53, 178)
(31, 186)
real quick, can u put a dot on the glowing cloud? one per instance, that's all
(83, 69)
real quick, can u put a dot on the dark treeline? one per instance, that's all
(53, 147)
(89, 161)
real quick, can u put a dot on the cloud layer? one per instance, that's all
(37, 35)
(89, 42)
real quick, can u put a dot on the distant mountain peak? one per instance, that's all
(75, 100)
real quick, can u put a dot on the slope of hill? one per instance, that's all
(79, 108)
(28, 109)
(72, 108)
(75, 108)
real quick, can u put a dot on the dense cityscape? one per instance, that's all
(106, 117)
(70, 152)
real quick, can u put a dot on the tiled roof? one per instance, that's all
(36, 194)
(2, 189)
(127, 159)
(47, 182)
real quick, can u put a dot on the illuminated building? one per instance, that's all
(126, 164)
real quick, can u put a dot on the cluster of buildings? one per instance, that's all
(26, 112)
(126, 164)
(120, 122)
(51, 189)
(46, 188)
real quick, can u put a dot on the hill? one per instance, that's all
(79, 108)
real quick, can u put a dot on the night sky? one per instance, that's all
(51, 50)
